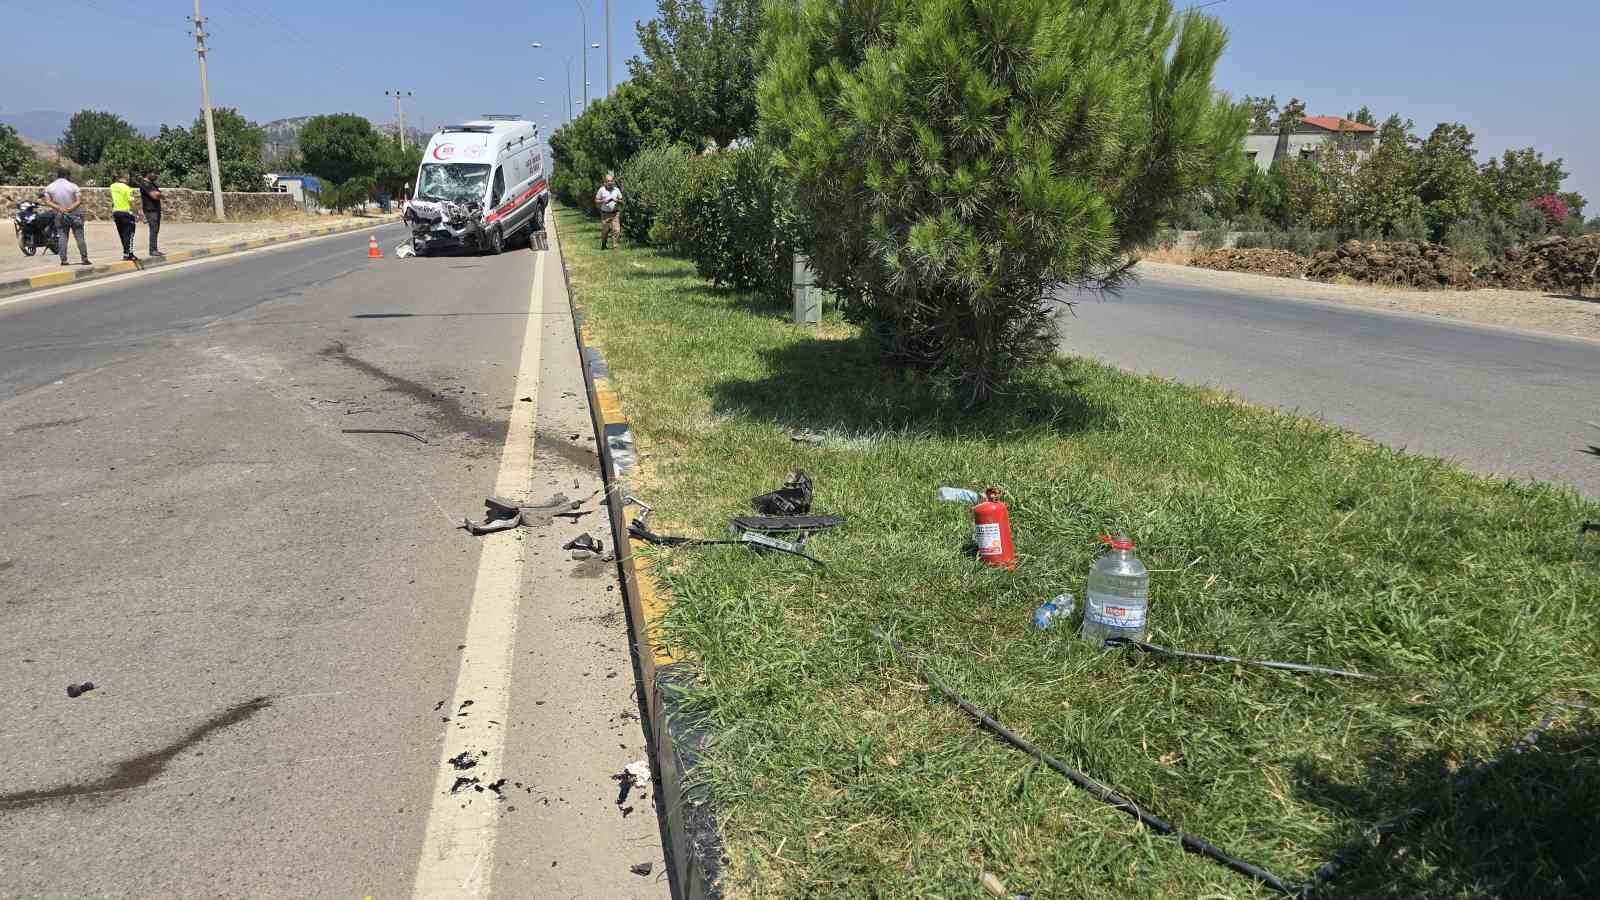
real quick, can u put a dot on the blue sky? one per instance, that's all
(1515, 74)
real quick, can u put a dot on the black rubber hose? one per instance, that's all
(1212, 657)
(1190, 842)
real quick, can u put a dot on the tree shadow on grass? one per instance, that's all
(841, 386)
(1527, 826)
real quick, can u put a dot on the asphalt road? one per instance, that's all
(276, 614)
(1494, 401)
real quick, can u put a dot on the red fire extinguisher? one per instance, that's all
(992, 530)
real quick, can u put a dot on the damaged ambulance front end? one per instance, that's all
(447, 210)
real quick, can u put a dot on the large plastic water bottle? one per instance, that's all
(1118, 595)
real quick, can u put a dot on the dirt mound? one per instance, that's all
(1408, 263)
(1262, 262)
(1554, 264)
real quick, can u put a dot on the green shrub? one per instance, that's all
(1410, 228)
(1166, 239)
(1470, 240)
(651, 181)
(734, 220)
(957, 162)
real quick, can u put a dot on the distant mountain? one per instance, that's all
(47, 125)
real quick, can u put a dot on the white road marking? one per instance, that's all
(458, 847)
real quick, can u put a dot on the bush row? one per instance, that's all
(725, 210)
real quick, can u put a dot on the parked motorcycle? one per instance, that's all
(36, 227)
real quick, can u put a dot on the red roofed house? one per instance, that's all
(1308, 137)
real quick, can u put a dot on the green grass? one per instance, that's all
(837, 774)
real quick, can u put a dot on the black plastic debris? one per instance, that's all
(465, 760)
(463, 782)
(793, 499)
(643, 868)
(496, 787)
(585, 541)
(78, 690)
(783, 524)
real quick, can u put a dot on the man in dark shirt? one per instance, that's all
(150, 200)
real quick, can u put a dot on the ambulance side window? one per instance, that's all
(499, 186)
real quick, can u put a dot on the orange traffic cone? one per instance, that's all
(372, 248)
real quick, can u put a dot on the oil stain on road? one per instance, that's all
(139, 770)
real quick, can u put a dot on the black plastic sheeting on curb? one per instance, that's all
(688, 824)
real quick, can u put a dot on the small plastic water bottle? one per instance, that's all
(1118, 595)
(959, 495)
(1058, 609)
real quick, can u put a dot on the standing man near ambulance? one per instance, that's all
(122, 212)
(150, 202)
(609, 201)
(64, 197)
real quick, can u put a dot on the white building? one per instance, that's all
(1313, 133)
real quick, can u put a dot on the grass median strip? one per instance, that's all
(836, 773)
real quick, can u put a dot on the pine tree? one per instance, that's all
(960, 161)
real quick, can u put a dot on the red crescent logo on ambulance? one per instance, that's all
(444, 151)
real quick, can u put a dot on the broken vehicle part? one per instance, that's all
(585, 541)
(784, 524)
(636, 529)
(491, 524)
(630, 500)
(793, 499)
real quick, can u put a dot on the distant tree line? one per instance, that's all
(355, 159)
(1403, 187)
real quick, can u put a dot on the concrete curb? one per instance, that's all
(121, 267)
(693, 844)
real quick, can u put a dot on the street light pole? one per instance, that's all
(608, 48)
(400, 113)
(584, 15)
(205, 105)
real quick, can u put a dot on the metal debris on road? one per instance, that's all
(400, 431)
(491, 524)
(643, 868)
(78, 690)
(404, 250)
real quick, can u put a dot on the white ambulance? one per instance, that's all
(480, 186)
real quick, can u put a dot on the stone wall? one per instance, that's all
(177, 204)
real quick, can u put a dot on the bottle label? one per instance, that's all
(1118, 616)
(988, 535)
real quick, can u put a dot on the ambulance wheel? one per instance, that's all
(497, 241)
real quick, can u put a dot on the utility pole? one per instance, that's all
(608, 48)
(205, 104)
(584, 15)
(400, 114)
(569, 89)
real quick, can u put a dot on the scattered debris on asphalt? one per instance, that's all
(466, 759)
(464, 781)
(643, 868)
(793, 499)
(497, 786)
(492, 523)
(78, 690)
(400, 431)
(584, 541)
(404, 250)
(633, 775)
